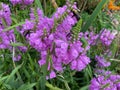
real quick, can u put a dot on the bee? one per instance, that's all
(75, 11)
(27, 33)
(75, 14)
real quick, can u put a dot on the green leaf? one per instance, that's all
(13, 73)
(11, 27)
(77, 29)
(8, 86)
(14, 20)
(51, 87)
(94, 15)
(38, 3)
(105, 86)
(85, 43)
(17, 44)
(84, 88)
(3, 78)
(26, 86)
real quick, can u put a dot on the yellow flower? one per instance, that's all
(112, 6)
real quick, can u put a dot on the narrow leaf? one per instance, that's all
(16, 44)
(51, 87)
(13, 73)
(38, 3)
(26, 86)
(11, 27)
(94, 15)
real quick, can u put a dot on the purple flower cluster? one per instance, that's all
(102, 62)
(24, 2)
(106, 37)
(5, 21)
(52, 40)
(52, 75)
(8, 37)
(80, 63)
(107, 82)
(5, 15)
(102, 72)
(91, 37)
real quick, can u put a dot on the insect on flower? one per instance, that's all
(27, 33)
(76, 14)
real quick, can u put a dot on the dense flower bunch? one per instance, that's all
(24, 2)
(107, 82)
(5, 15)
(102, 62)
(91, 37)
(8, 37)
(54, 40)
(106, 37)
(104, 80)
(102, 72)
(52, 37)
(5, 21)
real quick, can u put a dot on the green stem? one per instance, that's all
(18, 74)
(66, 85)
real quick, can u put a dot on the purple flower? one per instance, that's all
(52, 74)
(28, 25)
(102, 72)
(102, 62)
(5, 14)
(4, 41)
(106, 37)
(59, 12)
(22, 48)
(73, 65)
(73, 53)
(80, 65)
(41, 62)
(85, 59)
(28, 2)
(57, 63)
(17, 58)
(14, 2)
(61, 48)
(25, 2)
(107, 82)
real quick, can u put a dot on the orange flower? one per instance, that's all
(111, 5)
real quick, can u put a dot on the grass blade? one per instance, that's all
(26, 86)
(94, 15)
(38, 3)
(51, 87)
(13, 73)
(11, 27)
